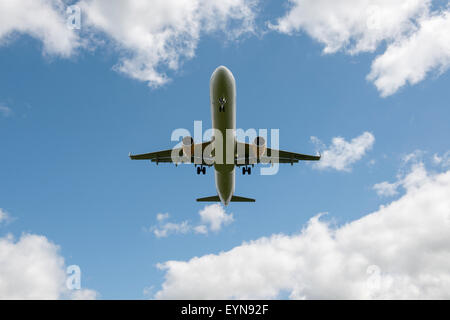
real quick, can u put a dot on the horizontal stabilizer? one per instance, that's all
(209, 199)
(241, 199)
(217, 199)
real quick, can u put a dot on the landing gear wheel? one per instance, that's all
(244, 170)
(198, 170)
(249, 170)
(204, 170)
(222, 102)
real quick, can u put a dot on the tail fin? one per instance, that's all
(233, 199)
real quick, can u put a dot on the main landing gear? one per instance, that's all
(201, 169)
(247, 170)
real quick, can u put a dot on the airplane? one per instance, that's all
(212, 153)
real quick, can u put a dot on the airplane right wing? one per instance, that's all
(246, 156)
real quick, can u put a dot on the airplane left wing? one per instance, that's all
(159, 155)
(175, 156)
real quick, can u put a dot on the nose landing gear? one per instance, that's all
(222, 102)
(201, 169)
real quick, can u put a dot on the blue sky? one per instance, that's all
(69, 119)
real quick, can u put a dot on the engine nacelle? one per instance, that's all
(259, 146)
(188, 146)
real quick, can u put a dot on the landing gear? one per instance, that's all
(222, 102)
(201, 169)
(247, 170)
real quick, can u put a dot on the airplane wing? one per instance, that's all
(175, 156)
(245, 156)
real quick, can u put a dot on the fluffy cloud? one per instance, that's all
(353, 25)
(386, 189)
(410, 59)
(418, 41)
(155, 36)
(164, 230)
(152, 34)
(443, 160)
(212, 218)
(340, 155)
(215, 216)
(42, 19)
(32, 268)
(414, 157)
(415, 161)
(399, 251)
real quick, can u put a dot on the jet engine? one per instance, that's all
(188, 146)
(259, 146)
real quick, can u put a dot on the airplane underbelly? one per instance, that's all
(223, 114)
(225, 185)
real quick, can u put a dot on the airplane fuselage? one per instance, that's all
(223, 151)
(223, 114)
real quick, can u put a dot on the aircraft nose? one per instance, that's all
(221, 72)
(221, 69)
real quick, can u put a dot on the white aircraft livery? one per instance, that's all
(223, 151)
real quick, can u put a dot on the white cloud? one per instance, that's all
(148, 292)
(410, 59)
(400, 251)
(212, 218)
(150, 36)
(153, 34)
(215, 216)
(412, 172)
(169, 228)
(42, 19)
(5, 111)
(84, 294)
(352, 25)
(340, 155)
(443, 160)
(153, 37)
(386, 189)
(202, 229)
(389, 189)
(162, 216)
(417, 39)
(414, 157)
(32, 268)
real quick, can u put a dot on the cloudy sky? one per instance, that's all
(363, 82)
